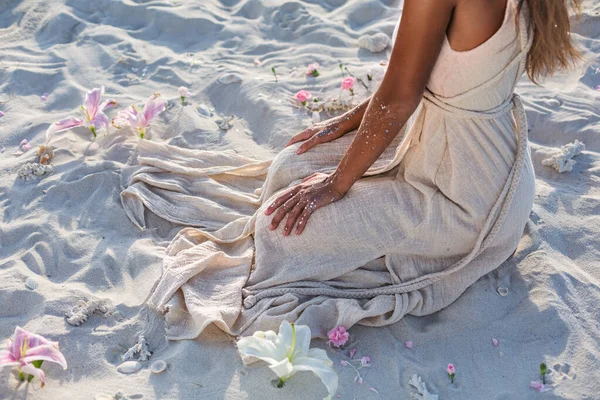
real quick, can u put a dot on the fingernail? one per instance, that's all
(298, 151)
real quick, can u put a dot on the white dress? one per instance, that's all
(445, 204)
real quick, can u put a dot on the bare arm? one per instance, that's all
(418, 43)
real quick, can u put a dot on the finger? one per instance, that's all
(305, 134)
(283, 210)
(282, 199)
(309, 177)
(306, 213)
(292, 217)
(309, 144)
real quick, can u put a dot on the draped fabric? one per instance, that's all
(445, 204)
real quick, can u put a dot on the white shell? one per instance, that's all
(158, 366)
(502, 291)
(230, 78)
(316, 117)
(31, 283)
(374, 43)
(204, 110)
(129, 367)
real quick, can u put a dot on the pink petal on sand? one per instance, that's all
(2, 150)
(1, 114)
(409, 344)
(18, 153)
(598, 87)
(26, 147)
(343, 363)
(365, 361)
(537, 385)
(24, 141)
(44, 96)
(372, 389)
(352, 352)
(63, 125)
(495, 342)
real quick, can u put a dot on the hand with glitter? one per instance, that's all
(299, 202)
(329, 130)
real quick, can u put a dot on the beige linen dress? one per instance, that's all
(444, 205)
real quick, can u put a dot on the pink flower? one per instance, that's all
(93, 112)
(495, 342)
(25, 348)
(365, 361)
(348, 83)
(183, 93)
(312, 69)
(302, 96)
(139, 121)
(451, 369)
(537, 385)
(409, 344)
(25, 146)
(338, 336)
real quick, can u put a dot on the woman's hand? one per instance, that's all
(315, 191)
(321, 132)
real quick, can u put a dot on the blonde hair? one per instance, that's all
(552, 49)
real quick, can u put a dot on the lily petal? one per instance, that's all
(154, 106)
(320, 368)
(263, 349)
(38, 373)
(62, 125)
(108, 104)
(283, 369)
(91, 103)
(100, 121)
(47, 353)
(7, 359)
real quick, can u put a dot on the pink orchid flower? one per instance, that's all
(93, 112)
(139, 121)
(26, 349)
(338, 336)
(302, 96)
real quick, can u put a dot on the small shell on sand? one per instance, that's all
(129, 367)
(158, 366)
(45, 153)
(231, 77)
(31, 283)
(502, 291)
(204, 110)
(374, 43)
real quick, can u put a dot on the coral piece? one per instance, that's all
(225, 123)
(423, 393)
(83, 309)
(29, 171)
(45, 153)
(374, 43)
(141, 348)
(562, 161)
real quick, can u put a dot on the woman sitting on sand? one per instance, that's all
(395, 207)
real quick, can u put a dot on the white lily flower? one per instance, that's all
(288, 352)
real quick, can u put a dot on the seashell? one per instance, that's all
(316, 117)
(31, 283)
(224, 123)
(502, 291)
(204, 111)
(231, 77)
(158, 366)
(129, 367)
(45, 153)
(374, 43)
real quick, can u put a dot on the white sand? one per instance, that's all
(69, 232)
